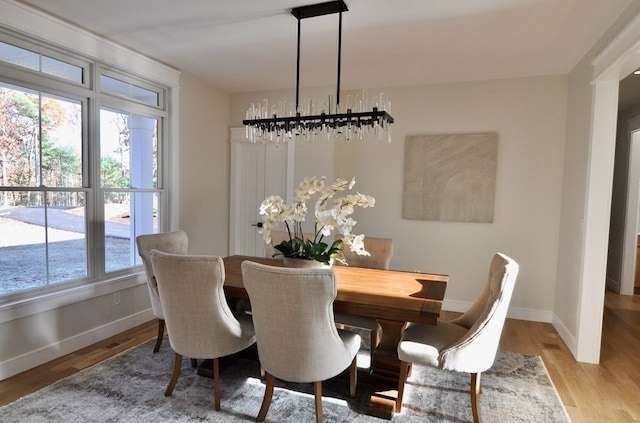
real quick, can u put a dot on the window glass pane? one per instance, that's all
(127, 215)
(28, 159)
(128, 150)
(144, 95)
(66, 225)
(35, 240)
(62, 69)
(18, 56)
(115, 86)
(19, 140)
(123, 88)
(61, 142)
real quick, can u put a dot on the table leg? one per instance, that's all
(384, 359)
(385, 368)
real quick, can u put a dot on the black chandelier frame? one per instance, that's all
(300, 123)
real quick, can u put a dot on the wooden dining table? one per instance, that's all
(392, 297)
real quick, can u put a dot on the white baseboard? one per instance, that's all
(613, 284)
(566, 335)
(55, 350)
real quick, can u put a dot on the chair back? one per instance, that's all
(380, 250)
(175, 242)
(292, 310)
(199, 321)
(475, 352)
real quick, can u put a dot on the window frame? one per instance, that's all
(98, 281)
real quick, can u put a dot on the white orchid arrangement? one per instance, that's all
(327, 218)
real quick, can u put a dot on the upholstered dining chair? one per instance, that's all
(175, 242)
(199, 321)
(381, 252)
(295, 331)
(468, 343)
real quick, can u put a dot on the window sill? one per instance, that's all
(34, 305)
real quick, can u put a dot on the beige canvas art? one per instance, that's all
(450, 177)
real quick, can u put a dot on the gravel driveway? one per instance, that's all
(22, 253)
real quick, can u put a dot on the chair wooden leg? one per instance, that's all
(475, 397)
(375, 339)
(317, 389)
(194, 362)
(353, 377)
(402, 378)
(177, 364)
(268, 394)
(216, 382)
(156, 348)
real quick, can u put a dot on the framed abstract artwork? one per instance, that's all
(450, 177)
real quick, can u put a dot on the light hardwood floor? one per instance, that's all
(608, 392)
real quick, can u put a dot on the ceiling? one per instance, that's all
(250, 45)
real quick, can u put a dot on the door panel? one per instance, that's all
(257, 170)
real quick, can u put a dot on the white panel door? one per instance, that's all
(257, 170)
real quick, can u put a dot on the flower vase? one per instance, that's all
(304, 263)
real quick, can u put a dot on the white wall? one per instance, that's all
(624, 200)
(582, 248)
(204, 166)
(529, 116)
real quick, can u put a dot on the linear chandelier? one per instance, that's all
(274, 123)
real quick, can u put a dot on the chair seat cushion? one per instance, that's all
(422, 344)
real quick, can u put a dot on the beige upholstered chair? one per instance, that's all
(381, 250)
(468, 343)
(295, 331)
(199, 321)
(170, 242)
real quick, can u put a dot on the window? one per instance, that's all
(127, 89)
(128, 174)
(29, 59)
(80, 170)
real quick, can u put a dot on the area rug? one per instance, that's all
(130, 388)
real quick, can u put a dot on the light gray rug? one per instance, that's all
(130, 388)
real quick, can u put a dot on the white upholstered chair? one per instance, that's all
(295, 331)
(175, 242)
(199, 321)
(381, 252)
(468, 343)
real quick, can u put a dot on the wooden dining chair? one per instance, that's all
(199, 321)
(381, 253)
(468, 343)
(175, 242)
(296, 334)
